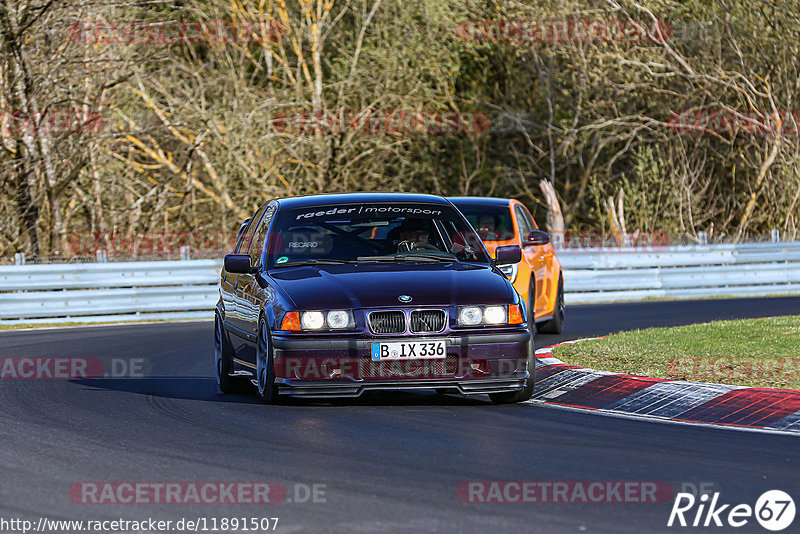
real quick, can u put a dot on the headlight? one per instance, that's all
(495, 314)
(327, 320)
(510, 271)
(470, 316)
(338, 319)
(312, 320)
(490, 315)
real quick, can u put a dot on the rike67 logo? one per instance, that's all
(774, 510)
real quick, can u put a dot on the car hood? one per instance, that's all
(380, 285)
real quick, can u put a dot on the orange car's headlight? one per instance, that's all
(510, 271)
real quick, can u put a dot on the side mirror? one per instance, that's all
(537, 238)
(507, 255)
(238, 263)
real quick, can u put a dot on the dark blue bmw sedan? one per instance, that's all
(335, 295)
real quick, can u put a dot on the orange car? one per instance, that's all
(537, 278)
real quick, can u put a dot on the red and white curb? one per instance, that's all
(676, 400)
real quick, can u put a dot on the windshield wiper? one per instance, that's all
(314, 261)
(391, 258)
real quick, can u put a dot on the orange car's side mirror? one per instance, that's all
(537, 238)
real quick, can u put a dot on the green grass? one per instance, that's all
(749, 352)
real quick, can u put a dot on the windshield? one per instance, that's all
(493, 223)
(372, 233)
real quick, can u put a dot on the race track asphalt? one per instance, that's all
(386, 463)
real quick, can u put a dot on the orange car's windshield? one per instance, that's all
(492, 223)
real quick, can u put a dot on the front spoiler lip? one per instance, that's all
(329, 389)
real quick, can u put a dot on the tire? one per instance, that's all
(223, 361)
(556, 324)
(265, 366)
(526, 392)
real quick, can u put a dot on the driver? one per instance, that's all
(415, 230)
(410, 232)
(487, 229)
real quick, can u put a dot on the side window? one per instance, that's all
(240, 233)
(260, 235)
(530, 220)
(243, 245)
(523, 223)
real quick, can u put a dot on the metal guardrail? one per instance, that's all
(594, 275)
(101, 292)
(156, 290)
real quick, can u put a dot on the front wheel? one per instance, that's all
(556, 324)
(223, 361)
(523, 394)
(526, 392)
(265, 368)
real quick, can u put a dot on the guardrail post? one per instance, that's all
(703, 237)
(19, 258)
(776, 235)
(102, 256)
(557, 239)
(627, 240)
(185, 252)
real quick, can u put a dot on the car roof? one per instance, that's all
(480, 201)
(355, 198)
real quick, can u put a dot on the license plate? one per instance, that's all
(409, 350)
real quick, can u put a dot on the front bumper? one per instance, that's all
(475, 363)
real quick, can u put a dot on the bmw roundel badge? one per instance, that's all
(404, 298)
